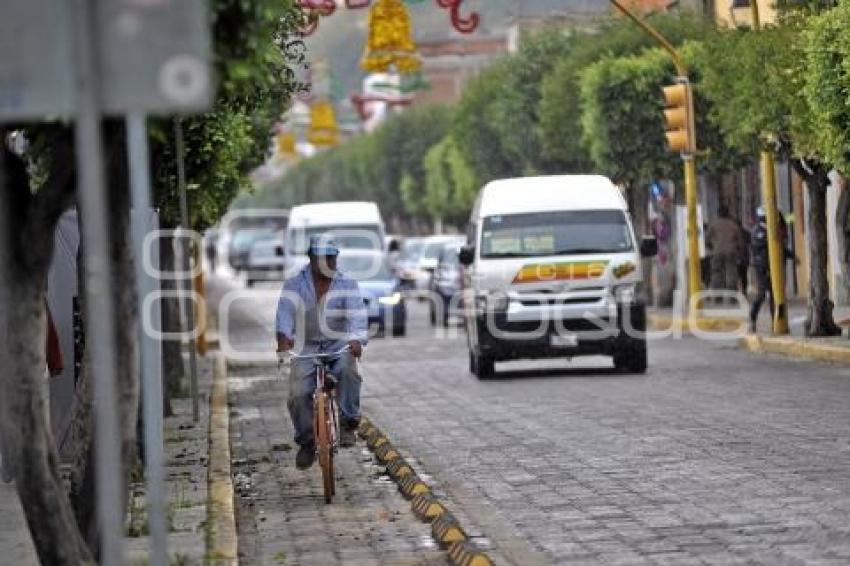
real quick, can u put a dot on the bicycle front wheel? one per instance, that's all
(324, 444)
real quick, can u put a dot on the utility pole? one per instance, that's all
(186, 263)
(683, 139)
(775, 245)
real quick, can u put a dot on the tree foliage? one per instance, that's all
(561, 105)
(386, 166)
(827, 83)
(254, 58)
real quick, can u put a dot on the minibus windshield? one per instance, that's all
(555, 233)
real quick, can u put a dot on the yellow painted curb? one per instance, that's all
(221, 520)
(808, 349)
(683, 325)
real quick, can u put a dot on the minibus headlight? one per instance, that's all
(390, 300)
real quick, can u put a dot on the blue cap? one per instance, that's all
(322, 245)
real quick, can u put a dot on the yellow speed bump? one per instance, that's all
(410, 486)
(465, 553)
(386, 453)
(447, 530)
(427, 507)
(398, 468)
(374, 441)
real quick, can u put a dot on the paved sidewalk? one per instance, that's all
(15, 542)
(186, 458)
(281, 514)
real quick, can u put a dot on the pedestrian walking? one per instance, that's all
(724, 238)
(761, 265)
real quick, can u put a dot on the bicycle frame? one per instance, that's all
(325, 418)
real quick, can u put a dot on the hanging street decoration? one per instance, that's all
(398, 92)
(390, 45)
(324, 130)
(285, 149)
(317, 9)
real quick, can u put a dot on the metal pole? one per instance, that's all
(694, 265)
(100, 314)
(139, 160)
(775, 246)
(691, 190)
(188, 309)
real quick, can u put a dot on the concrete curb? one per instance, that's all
(807, 349)
(446, 530)
(222, 545)
(680, 324)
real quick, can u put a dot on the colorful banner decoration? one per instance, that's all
(317, 9)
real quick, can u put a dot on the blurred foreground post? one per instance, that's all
(151, 356)
(100, 315)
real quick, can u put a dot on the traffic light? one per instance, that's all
(679, 118)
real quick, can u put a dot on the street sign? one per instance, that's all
(153, 57)
(36, 71)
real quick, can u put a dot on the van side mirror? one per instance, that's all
(466, 255)
(649, 246)
(279, 251)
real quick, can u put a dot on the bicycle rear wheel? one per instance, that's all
(324, 444)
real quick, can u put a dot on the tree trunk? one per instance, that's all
(30, 224)
(819, 320)
(172, 355)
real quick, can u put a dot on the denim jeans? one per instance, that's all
(302, 384)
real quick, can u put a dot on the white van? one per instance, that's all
(354, 225)
(554, 270)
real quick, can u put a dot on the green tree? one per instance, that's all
(561, 106)
(252, 65)
(755, 81)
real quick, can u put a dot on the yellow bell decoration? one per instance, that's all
(390, 42)
(324, 131)
(286, 146)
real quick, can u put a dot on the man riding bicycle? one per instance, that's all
(323, 311)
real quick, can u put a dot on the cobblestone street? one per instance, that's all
(714, 457)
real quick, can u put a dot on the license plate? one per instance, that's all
(563, 340)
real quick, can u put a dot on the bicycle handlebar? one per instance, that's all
(286, 356)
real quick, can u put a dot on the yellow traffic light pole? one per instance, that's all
(691, 197)
(775, 246)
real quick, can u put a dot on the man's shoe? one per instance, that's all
(346, 437)
(305, 457)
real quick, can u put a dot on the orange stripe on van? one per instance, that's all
(570, 271)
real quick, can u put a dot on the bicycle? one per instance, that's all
(325, 416)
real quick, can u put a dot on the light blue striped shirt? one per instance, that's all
(344, 315)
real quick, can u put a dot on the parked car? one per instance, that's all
(354, 225)
(241, 243)
(266, 260)
(417, 275)
(446, 284)
(555, 271)
(380, 288)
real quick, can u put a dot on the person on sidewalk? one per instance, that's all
(725, 239)
(761, 264)
(326, 308)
